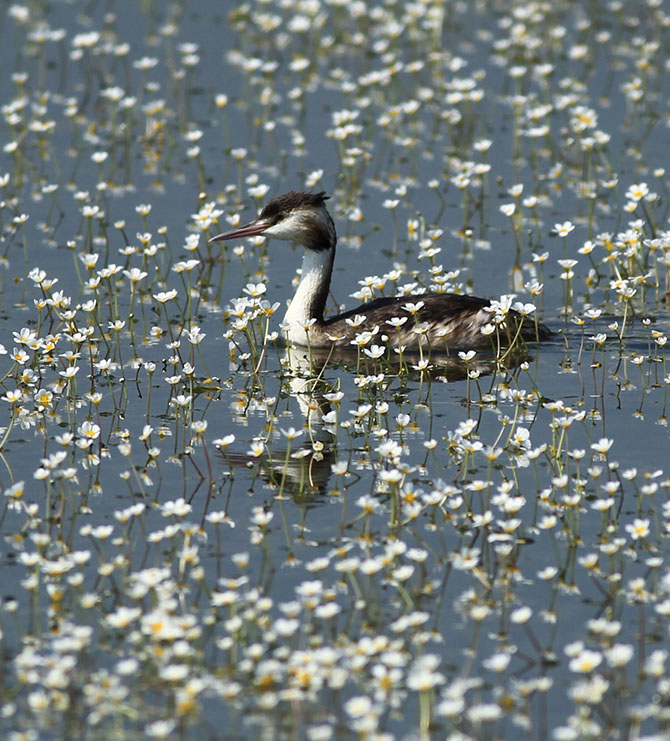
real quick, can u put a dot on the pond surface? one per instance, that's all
(206, 534)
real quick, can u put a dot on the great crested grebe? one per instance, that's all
(437, 320)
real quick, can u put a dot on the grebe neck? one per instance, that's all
(310, 297)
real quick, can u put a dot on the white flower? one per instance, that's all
(497, 663)
(564, 229)
(586, 661)
(619, 655)
(602, 446)
(638, 528)
(358, 706)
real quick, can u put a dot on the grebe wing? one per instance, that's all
(437, 308)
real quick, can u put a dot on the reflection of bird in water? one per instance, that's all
(438, 320)
(303, 471)
(449, 368)
(304, 478)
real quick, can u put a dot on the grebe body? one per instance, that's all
(440, 321)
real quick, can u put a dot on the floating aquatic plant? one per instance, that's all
(203, 528)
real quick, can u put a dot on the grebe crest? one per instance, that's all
(441, 321)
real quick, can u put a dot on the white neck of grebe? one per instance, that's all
(310, 297)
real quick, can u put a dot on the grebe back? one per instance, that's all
(437, 320)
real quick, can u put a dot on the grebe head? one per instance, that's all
(301, 218)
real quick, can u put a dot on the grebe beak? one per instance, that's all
(249, 230)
